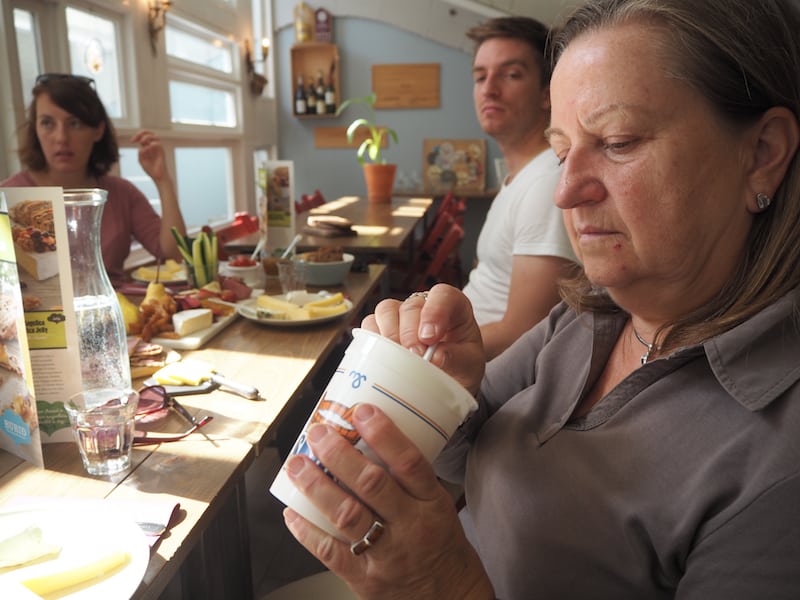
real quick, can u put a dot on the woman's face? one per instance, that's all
(654, 183)
(66, 141)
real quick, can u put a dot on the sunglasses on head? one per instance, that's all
(154, 399)
(45, 77)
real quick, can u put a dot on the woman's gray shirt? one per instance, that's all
(683, 482)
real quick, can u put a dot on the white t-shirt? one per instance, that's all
(522, 220)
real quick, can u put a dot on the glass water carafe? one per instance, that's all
(101, 328)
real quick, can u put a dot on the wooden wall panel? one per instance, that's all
(406, 85)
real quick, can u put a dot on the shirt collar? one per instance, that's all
(759, 360)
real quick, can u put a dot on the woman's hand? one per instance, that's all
(422, 552)
(151, 155)
(154, 162)
(444, 318)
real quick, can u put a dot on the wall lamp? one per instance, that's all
(157, 19)
(257, 80)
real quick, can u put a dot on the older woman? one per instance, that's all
(68, 141)
(642, 441)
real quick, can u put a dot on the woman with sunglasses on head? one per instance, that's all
(643, 441)
(68, 140)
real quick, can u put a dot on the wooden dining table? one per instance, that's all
(382, 229)
(205, 553)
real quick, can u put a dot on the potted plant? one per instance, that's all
(378, 174)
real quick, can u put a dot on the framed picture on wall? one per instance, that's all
(454, 164)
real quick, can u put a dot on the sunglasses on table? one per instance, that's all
(153, 400)
(46, 77)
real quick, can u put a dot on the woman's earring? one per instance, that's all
(763, 201)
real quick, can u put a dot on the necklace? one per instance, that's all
(650, 347)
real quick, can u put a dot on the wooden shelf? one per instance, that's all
(308, 58)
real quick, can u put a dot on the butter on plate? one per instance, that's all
(54, 582)
(24, 547)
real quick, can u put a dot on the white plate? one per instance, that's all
(84, 534)
(248, 310)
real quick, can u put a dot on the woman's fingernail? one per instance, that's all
(426, 331)
(364, 412)
(316, 432)
(295, 464)
(289, 516)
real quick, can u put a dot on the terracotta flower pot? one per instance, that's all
(380, 182)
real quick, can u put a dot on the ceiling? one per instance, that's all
(547, 11)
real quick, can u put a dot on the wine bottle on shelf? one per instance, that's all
(311, 97)
(300, 101)
(330, 97)
(320, 107)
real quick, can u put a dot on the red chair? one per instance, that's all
(435, 234)
(445, 265)
(242, 224)
(442, 265)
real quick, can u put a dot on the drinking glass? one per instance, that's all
(102, 424)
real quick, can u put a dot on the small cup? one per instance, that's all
(292, 275)
(251, 275)
(102, 424)
(421, 399)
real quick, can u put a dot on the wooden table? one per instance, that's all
(207, 550)
(382, 229)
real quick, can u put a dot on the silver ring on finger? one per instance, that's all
(373, 534)
(423, 295)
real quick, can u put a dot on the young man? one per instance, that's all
(523, 247)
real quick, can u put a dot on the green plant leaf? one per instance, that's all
(371, 148)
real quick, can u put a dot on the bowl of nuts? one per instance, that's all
(326, 266)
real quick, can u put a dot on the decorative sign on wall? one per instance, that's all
(323, 25)
(406, 86)
(457, 164)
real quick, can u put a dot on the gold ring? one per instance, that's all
(373, 535)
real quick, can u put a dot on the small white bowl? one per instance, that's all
(251, 275)
(327, 273)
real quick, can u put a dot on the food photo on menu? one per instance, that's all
(33, 233)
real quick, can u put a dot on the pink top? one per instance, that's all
(127, 216)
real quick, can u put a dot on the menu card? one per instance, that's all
(276, 209)
(37, 276)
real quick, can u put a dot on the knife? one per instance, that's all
(190, 372)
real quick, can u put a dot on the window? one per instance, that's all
(199, 46)
(93, 52)
(201, 105)
(30, 62)
(205, 185)
(203, 76)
